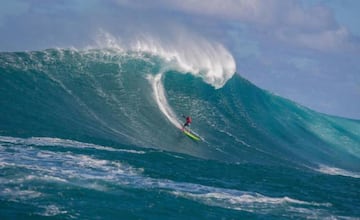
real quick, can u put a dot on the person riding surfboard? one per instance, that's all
(187, 131)
(187, 122)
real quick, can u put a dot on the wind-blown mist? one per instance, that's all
(186, 53)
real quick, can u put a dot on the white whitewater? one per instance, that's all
(185, 53)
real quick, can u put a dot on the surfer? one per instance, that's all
(188, 121)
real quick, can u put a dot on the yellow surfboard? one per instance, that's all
(191, 135)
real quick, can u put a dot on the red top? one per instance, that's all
(188, 119)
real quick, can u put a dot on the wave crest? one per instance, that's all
(187, 54)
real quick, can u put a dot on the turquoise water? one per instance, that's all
(93, 135)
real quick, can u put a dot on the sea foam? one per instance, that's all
(187, 53)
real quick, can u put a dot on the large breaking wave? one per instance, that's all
(106, 121)
(135, 97)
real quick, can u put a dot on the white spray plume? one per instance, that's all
(187, 53)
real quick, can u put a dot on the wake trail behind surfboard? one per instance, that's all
(160, 98)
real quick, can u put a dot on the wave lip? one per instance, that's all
(188, 54)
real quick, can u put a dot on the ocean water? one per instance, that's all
(94, 134)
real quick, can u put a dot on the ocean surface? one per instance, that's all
(94, 134)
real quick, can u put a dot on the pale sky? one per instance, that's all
(304, 50)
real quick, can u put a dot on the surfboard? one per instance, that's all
(191, 135)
